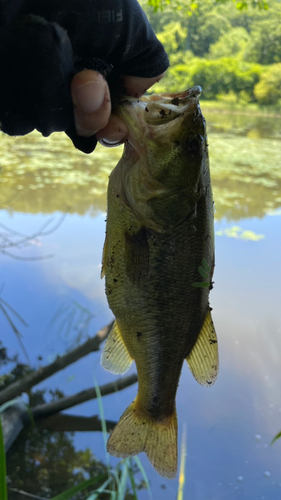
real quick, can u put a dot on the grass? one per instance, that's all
(278, 436)
(116, 482)
(3, 486)
(180, 494)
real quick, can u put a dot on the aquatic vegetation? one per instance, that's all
(244, 159)
(238, 233)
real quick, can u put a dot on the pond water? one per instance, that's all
(56, 196)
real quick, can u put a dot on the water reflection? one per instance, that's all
(229, 427)
(49, 175)
(251, 126)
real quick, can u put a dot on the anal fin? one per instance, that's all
(203, 360)
(115, 356)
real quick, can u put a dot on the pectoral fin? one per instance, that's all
(203, 360)
(115, 356)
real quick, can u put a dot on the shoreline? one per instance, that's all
(218, 107)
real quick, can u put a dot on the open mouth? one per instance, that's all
(164, 108)
(160, 118)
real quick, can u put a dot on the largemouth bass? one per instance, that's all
(158, 261)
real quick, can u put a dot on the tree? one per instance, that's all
(43, 460)
(230, 44)
(264, 46)
(204, 30)
(45, 463)
(173, 37)
(268, 89)
(240, 4)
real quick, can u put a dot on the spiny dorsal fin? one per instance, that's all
(203, 360)
(115, 356)
(104, 256)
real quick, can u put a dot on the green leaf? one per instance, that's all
(182, 466)
(68, 494)
(12, 402)
(123, 481)
(206, 265)
(95, 494)
(278, 436)
(140, 466)
(203, 273)
(3, 487)
(132, 479)
(201, 284)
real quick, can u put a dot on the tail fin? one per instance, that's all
(137, 432)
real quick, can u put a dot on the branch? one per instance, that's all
(61, 362)
(13, 421)
(72, 423)
(69, 401)
(47, 417)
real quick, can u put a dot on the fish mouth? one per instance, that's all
(164, 108)
(159, 109)
(175, 98)
(159, 117)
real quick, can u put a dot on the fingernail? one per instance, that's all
(82, 131)
(89, 96)
(109, 144)
(115, 137)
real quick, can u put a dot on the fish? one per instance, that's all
(158, 262)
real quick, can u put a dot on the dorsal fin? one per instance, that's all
(203, 360)
(115, 356)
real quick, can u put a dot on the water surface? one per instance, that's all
(229, 426)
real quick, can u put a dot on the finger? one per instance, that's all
(114, 133)
(136, 86)
(91, 100)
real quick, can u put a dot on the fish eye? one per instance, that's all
(194, 143)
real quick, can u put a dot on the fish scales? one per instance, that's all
(159, 249)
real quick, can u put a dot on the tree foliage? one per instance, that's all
(232, 43)
(239, 4)
(173, 37)
(203, 31)
(264, 46)
(268, 89)
(224, 46)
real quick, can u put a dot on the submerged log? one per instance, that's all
(13, 420)
(23, 385)
(48, 416)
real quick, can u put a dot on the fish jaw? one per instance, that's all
(160, 118)
(164, 157)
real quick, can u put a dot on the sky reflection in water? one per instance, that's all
(229, 426)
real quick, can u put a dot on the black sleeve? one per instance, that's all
(43, 43)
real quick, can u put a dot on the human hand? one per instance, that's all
(92, 105)
(56, 46)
